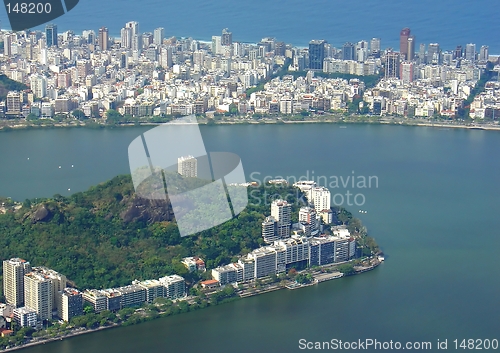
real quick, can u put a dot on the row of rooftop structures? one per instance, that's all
(36, 294)
(292, 244)
(81, 63)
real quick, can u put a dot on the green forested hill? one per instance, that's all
(107, 236)
(6, 85)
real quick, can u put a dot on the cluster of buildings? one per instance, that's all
(146, 74)
(36, 294)
(300, 244)
(431, 81)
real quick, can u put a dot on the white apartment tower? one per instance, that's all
(13, 280)
(321, 198)
(38, 294)
(281, 211)
(187, 166)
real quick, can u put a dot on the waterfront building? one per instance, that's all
(226, 274)
(248, 265)
(96, 298)
(227, 37)
(483, 53)
(265, 261)
(132, 295)
(13, 280)
(158, 35)
(70, 303)
(14, 103)
(470, 52)
(281, 211)
(269, 230)
(51, 35)
(113, 299)
(38, 294)
(25, 317)
(175, 286)
(154, 289)
(58, 282)
(316, 54)
(187, 166)
(403, 43)
(296, 250)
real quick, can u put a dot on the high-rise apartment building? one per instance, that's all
(175, 286)
(38, 294)
(321, 198)
(470, 52)
(483, 53)
(411, 48)
(58, 282)
(227, 37)
(269, 230)
(375, 46)
(391, 65)
(13, 280)
(103, 38)
(406, 72)
(316, 54)
(433, 54)
(70, 303)
(187, 166)
(126, 37)
(403, 42)
(348, 51)
(281, 211)
(459, 52)
(51, 35)
(216, 45)
(158, 35)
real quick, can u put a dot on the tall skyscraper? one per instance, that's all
(103, 38)
(421, 53)
(281, 211)
(158, 35)
(316, 54)
(470, 52)
(7, 42)
(38, 294)
(459, 52)
(126, 37)
(187, 166)
(348, 52)
(13, 280)
(403, 42)
(375, 47)
(483, 53)
(411, 48)
(433, 54)
(227, 37)
(391, 65)
(51, 35)
(134, 26)
(216, 45)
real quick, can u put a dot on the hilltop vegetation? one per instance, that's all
(108, 236)
(6, 85)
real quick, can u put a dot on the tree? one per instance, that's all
(78, 114)
(113, 117)
(31, 117)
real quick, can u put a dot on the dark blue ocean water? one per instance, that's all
(446, 22)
